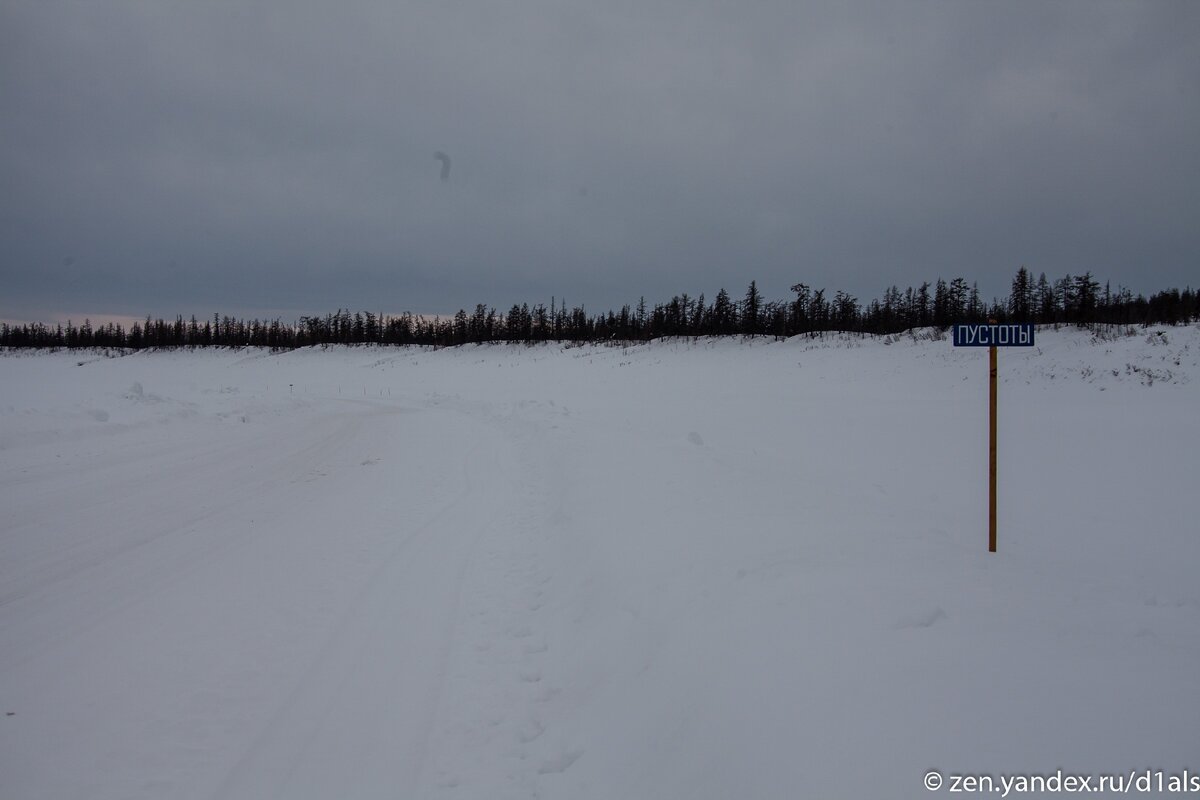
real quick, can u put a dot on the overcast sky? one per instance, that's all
(279, 156)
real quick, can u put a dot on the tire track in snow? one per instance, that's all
(140, 565)
(359, 718)
(498, 732)
(181, 599)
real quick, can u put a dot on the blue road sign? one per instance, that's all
(1015, 335)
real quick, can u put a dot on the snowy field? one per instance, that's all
(711, 569)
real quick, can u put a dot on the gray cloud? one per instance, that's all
(186, 156)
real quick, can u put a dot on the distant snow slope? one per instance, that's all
(689, 569)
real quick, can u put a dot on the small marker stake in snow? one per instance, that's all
(992, 336)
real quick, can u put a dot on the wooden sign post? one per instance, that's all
(992, 449)
(992, 336)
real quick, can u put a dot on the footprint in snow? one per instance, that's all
(530, 731)
(546, 694)
(922, 619)
(559, 763)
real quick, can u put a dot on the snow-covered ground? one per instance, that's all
(710, 569)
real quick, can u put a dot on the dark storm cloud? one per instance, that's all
(197, 156)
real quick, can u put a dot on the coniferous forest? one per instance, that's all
(1070, 300)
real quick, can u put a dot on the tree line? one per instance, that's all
(1070, 300)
